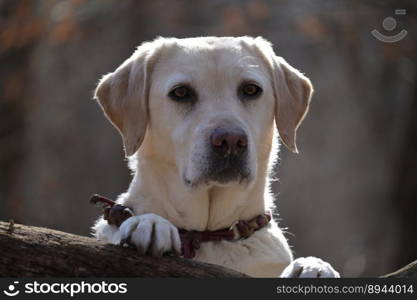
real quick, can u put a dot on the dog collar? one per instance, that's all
(116, 214)
(241, 229)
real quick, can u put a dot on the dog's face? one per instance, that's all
(212, 103)
(206, 105)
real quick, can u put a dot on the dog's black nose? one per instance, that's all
(227, 142)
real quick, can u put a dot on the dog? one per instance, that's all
(196, 116)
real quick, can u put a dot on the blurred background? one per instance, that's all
(349, 197)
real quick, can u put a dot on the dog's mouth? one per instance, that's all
(222, 171)
(226, 170)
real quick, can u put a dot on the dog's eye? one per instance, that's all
(181, 93)
(250, 91)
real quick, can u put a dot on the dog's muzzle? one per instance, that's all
(228, 155)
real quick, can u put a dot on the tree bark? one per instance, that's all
(27, 251)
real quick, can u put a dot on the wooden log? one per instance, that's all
(27, 251)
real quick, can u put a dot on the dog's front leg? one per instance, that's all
(149, 233)
(309, 267)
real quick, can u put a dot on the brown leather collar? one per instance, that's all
(116, 214)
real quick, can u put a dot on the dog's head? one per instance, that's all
(206, 105)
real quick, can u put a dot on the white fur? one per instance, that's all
(309, 267)
(174, 148)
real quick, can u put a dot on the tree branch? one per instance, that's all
(408, 271)
(27, 251)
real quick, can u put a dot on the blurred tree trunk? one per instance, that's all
(19, 35)
(406, 195)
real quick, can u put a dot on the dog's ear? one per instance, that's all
(123, 97)
(292, 92)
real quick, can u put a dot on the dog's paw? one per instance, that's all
(309, 267)
(150, 233)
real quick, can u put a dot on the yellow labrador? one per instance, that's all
(197, 120)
